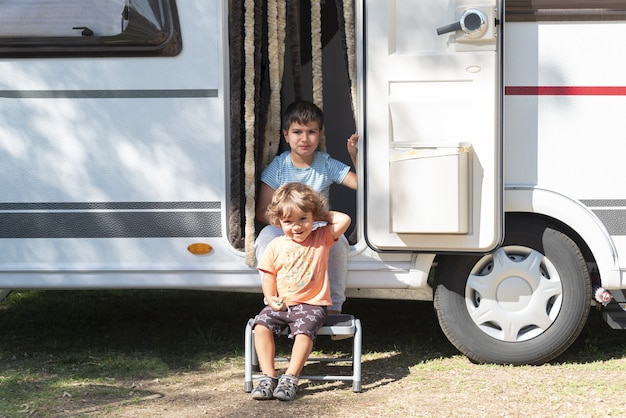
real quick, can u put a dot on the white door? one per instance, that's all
(432, 141)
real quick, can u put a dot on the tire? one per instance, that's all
(526, 303)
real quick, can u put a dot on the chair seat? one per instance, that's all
(338, 324)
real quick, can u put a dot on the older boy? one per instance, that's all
(303, 125)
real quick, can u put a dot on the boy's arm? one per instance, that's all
(268, 285)
(351, 180)
(338, 223)
(352, 148)
(265, 197)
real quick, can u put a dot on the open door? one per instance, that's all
(433, 93)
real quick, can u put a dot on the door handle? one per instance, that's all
(472, 22)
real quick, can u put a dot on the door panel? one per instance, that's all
(433, 131)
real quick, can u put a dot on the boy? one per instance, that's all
(295, 283)
(303, 125)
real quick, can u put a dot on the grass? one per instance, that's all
(55, 343)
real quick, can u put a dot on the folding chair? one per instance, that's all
(343, 325)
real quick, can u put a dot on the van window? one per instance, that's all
(564, 10)
(93, 27)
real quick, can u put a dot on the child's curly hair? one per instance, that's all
(293, 197)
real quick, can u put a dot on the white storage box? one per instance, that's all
(439, 205)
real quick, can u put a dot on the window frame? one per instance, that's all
(564, 10)
(133, 41)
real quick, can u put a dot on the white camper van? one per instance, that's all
(492, 141)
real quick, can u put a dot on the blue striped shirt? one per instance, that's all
(323, 171)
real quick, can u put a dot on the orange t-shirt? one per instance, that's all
(301, 269)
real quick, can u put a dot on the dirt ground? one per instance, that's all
(454, 388)
(416, 374)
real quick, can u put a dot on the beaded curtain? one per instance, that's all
(260, 31)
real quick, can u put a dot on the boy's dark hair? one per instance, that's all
(302, 112)
(292, 197)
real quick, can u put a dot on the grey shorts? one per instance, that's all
(301, 319)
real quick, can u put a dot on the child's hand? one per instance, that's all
(277, 303)
(352, 145)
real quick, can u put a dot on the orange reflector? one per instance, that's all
(199, 248)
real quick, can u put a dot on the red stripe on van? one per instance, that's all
(565, 91)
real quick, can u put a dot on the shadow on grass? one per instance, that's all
(56, 339)
(183, 327)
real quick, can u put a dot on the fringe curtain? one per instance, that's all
(276, 21)
(293, 30)
(316, 60)
(235, 21)
(249, 117)
(350, 48)
(256, 91)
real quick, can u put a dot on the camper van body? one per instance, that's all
(490, 161)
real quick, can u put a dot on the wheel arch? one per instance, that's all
(575, 220)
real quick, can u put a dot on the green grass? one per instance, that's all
(55, 343)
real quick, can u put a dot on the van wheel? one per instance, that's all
(525, 303)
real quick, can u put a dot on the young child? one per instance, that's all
(295, 283)
(303, 125)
